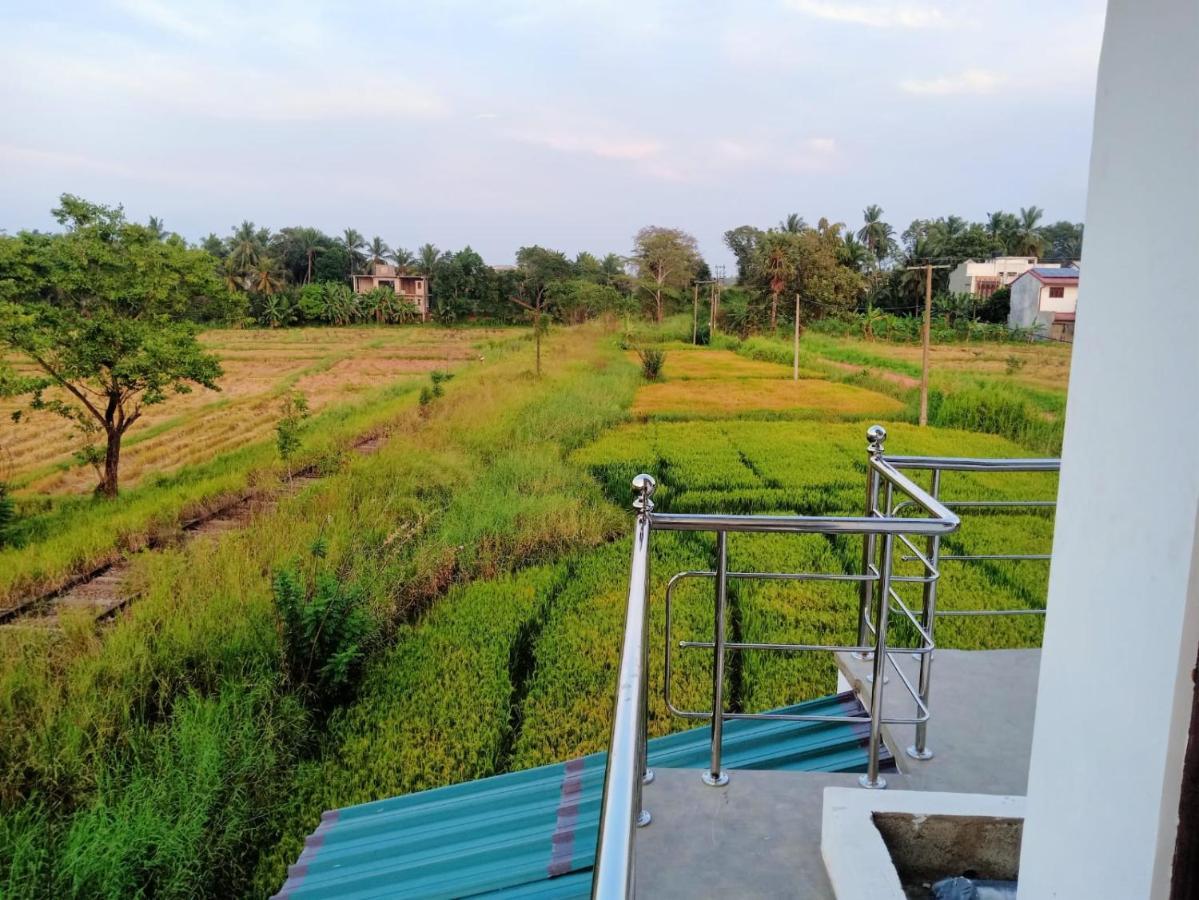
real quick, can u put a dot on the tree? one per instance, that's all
(292, 413)
(310, 242)
(426, 259)
(776, 264)
(540, 269)
(665, 258)
(402, 258)
(245, 246)
(743, 241)
(1029, 240)
(1063, 241)
(354, 245)
(793, 224)
(378, 250)
(101, 312)
(876, 234)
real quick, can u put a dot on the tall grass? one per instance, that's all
(92, 726)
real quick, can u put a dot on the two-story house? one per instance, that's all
(414, 288)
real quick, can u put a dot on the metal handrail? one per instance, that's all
(627, 771)
(622, 812)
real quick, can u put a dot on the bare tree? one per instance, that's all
(665, 258)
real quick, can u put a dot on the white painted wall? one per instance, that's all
(1006, 268)
(1065, 303)
(1123, 626)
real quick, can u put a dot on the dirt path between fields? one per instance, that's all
(103, 592)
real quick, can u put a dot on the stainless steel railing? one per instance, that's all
(881, 527)
(936, 465)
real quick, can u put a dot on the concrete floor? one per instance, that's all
(982, 707)
(759, 836)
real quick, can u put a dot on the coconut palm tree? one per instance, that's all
(354, 245)
(266, 276)
(245, 246)
(427, 257)
(402, 258)
(157, 228)
(854, 254)
(1028, 236)
(311, 242)
(378, 251)
(876, 234)
(793, 224)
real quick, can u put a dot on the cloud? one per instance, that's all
(970, 81)
(591, 140)
(165, 17)
(174, 83)
(873, 15)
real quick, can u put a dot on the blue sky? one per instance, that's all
(569, 123)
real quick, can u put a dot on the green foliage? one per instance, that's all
(652, 361)
(103, 313)
(8, 514)
(293, 411)
(326, 631)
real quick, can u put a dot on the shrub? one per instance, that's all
(293, 411)
(326, 631)
(652, 360)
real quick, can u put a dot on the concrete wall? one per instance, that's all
(1006, 268)
(1026, 300)
(1115, 689)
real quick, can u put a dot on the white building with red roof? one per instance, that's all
(1045, 299)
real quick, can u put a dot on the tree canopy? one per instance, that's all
(103, 316)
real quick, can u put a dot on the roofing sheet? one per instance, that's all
(533, 833)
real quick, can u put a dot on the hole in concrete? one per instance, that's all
(928, 848)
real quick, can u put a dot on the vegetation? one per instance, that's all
(102, 315)
(449, 607)
(652, 361)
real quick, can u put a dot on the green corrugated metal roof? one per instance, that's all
(533, 833)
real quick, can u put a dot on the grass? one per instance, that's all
(168, 754)
(697, 397)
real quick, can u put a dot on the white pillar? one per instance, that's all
(1114, 700)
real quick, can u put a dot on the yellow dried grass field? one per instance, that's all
(328, 365)
(699, 397)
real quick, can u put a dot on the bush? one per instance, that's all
(652, 360)
(326, 632)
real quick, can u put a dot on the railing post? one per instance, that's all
(928, 620)
(872, 778)
(716, 776)
(875, 436)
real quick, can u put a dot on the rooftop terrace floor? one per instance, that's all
(759, 836)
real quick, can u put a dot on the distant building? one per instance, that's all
(983, 278)
(414, 288)
(1046, 297)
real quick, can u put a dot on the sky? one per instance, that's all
(566, 123)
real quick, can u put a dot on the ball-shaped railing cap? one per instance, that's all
(875, 435)
(645, 484)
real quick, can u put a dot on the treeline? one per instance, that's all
(772, 263)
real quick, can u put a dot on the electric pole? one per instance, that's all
(795, 371)
(928, 318)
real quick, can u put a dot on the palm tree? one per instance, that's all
(231, 274)
(1028, 236)
(793, 224)
(427, 257)
(354, 244)
(402, 258)
(378, 250)
(876, 234)
(854, 254)
(266, 277)
(777, 267)
(245, 247)
(311, 242)
(157, 228)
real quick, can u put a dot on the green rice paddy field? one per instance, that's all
(170, 753)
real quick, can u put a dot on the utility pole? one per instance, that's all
(695, 317)
(928, 318)
(795, 371)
